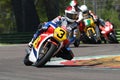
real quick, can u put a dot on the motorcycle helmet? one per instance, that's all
(71, 14)
(73, 3)
(84, 9)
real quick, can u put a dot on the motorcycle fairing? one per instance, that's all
(92, 29)
(36, 45)
(107, 28)
(59, 34)
(89, 22)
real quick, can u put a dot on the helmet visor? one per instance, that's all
(85, 12)
(72, 16)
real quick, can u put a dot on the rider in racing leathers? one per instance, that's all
(69, 22)
(83, 13)
(88, 13)
(83, 10)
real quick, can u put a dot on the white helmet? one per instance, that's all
(84, 8)
(71, 14)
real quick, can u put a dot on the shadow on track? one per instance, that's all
(84, 46)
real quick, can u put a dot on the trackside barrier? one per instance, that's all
(14, 38)
(118, 34)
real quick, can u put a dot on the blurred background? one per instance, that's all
(25, 15)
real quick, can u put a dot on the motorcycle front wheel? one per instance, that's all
(26, 60)
(45, 54)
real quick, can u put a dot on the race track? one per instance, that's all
(12, 67)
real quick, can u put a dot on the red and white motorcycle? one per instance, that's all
(48, 44)
(108, 32)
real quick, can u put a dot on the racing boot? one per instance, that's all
(65, 53)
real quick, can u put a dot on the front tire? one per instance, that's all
(26, 60)
(42, 60)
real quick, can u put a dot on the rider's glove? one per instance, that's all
(69, 29)
(42, 26)
(45, 26)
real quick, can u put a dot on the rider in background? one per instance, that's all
(69, 23)
(83, 12)
(86, 13)
(75, 4)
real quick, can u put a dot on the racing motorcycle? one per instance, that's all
(47, 45)
(108, 32)
(90, 35)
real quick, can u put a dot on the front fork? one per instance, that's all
(28, 50)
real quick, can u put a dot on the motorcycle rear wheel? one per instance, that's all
(77, 43)
(112, 38)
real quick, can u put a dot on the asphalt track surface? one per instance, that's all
(12, 67)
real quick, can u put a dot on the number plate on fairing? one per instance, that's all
(60, 34)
